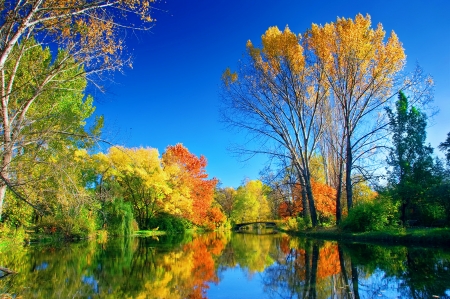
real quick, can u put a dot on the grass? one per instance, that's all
(149, 233)
(418, 236)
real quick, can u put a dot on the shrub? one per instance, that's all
(168, 223)
(119, 220)
(379, 214)
(69, 224)
(302, 224)
(432, 213)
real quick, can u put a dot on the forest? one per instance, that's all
(344, 127)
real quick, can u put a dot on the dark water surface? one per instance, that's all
(225, 265)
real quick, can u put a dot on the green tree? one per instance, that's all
(39, 122)
(251, 202)
(410, 159)
(445, 147)
(142, 180)
(87, 36)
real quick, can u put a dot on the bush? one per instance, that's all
(379, 214)
(432, 213)
(168, 223)
(302, 224)
(119, 219)
(69, 225)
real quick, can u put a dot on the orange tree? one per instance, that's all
(188, 174)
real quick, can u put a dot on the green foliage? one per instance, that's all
(70, 224)
(251, 203)
(302, 223)
(119, 218)
(432, 214)
(17, 212)
(168, 223)
(376, 215)
(411, 176)
(11, 235)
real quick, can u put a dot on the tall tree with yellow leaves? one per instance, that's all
(360, 68)
(281, 98)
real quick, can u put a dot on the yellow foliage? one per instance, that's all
(351, 48)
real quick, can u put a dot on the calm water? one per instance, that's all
(225, 266)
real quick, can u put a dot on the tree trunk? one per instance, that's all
(339, 193)
(355, 280)
(343, 271)
(312, 207)
(348, 174)
(305, 206)
(314, 267)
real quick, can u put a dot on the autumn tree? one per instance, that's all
(225, 197)
(143, 181)
(189, 173)
(251, 203)
(88, 37)
(280, 97)
(359, 68)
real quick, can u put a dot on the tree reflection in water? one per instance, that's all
(275, 266)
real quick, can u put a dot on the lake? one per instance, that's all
(224, 265)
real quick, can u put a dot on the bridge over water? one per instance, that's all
(271, 224)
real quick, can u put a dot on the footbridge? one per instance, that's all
(270, 224)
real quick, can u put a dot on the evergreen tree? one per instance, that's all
(411, 160)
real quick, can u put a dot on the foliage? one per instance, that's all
(40, 125)
(168, 223)
(225, 197)
(119, 218)
(142, 180)
(445, 147)
(412, 165)
(296, 89)
(251, 203)
(323, 194)
(11, 235)
(73, 224)
(362, 192)
(375, 215)
(189, 181)
(359, 68)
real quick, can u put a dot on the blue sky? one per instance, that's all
(172, 93)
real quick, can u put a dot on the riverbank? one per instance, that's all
(401, 236)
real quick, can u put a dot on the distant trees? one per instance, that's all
(251, 203)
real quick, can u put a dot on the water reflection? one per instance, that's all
(223, 265)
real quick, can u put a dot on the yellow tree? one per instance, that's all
(251, 203)
(143, 181)
(360, 68)
(281, 98)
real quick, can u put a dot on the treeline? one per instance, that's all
(324, 100)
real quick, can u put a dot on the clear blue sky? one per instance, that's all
(172, 93)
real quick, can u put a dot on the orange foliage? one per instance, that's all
(328, 261)
(193, 175)
(215, 218)
(324, 198)
(203, 270)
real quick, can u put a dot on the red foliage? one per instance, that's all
(196, 178)
(324, 197)
(203, 270)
